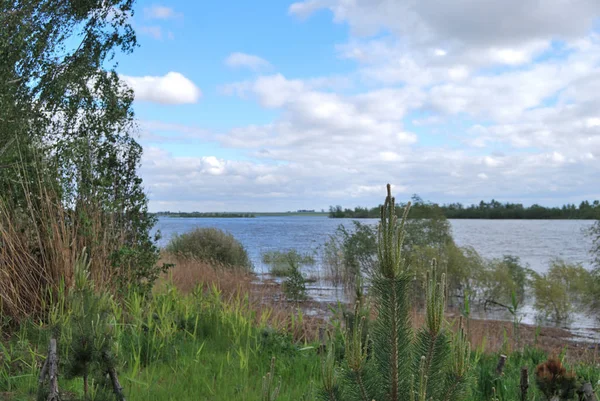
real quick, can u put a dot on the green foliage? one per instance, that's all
(497, 210)
(482, 210)
(67, 149)
(294, 285)
(501, 279)
(87, 340)
(594, 234)
(350, 253)
(594, 285)
(430, 237)
(279, 261)
(270, 389)
(560, 288)
(205, 346)
(201, 346)
(392, 363)
(211, 245)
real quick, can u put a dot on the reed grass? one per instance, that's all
(208, 333)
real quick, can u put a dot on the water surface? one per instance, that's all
(535, 242)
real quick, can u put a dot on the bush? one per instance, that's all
(556, 291)
(502, 278)
(594, 234)
(294, 286)
(279, 261)
(350, 254)
(212, 245)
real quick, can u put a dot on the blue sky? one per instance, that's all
(276, 105)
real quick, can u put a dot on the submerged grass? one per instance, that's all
(281, 262)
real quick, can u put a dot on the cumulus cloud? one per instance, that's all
(329, 148)
(304, 9)
(158, 12)
(172, 88)
(473, 22)
(244, 60)
(444, 103)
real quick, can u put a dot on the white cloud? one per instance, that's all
(388, 156)
(305, 8)
(464, 21)
(443, 104)
(172, 88)
(154, 31)
(161, 13)
(492, 161)
(244, 60)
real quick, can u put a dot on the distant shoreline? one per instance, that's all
(318, 214)
(195, 215)
(238, 215)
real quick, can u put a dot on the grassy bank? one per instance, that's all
(210, 334)
(203, 335)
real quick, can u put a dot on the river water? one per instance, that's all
(535, 242)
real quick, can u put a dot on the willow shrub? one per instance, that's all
(211, 245)
(560, 289)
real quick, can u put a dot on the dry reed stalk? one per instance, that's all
(40, 240)
(265, 299)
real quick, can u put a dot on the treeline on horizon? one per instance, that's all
(483, 210)
(205, 214)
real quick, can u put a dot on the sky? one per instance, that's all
(275, 106)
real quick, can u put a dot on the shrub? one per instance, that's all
(351, 253)
(500, 279)
(279, 261)
(213, 245)
(294, 286)
(557, 290)
(594, 234)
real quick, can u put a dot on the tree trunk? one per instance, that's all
(524, 383)
(43, 373)
(113, 378)
(53, 371)
(500, 366)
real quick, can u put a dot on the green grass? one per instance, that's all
(175, 347)
(200, 347)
